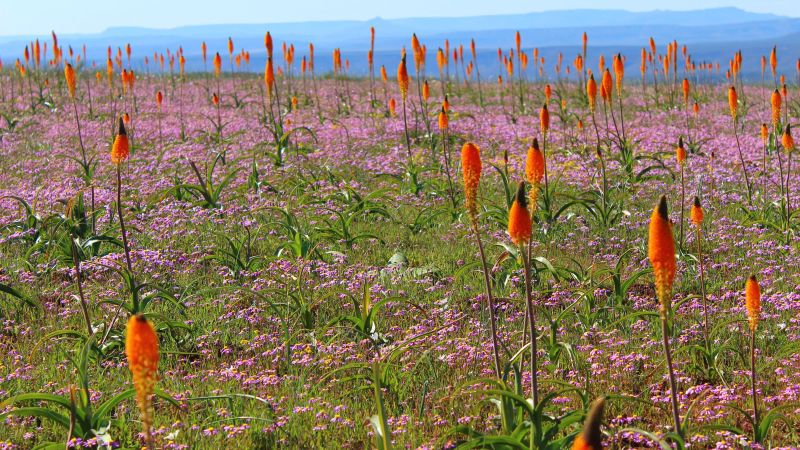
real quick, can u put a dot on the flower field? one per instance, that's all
(280, 257)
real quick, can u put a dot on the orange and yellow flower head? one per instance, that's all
(402, 77)
(443, 120)
(141, 349)
(696, 213)
(733, 102)
(544, 119)
(591, 92)
(786, 140)
(776, 101)
(661, 252)
(519, 218)
(471, 168)
(680, 152)
(752, 300)
(217, 64)
(534, 164)
(69, 75)
(121, 147)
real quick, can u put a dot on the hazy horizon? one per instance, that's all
(92, 16)
(707, 32)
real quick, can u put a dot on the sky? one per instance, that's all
(19, 17)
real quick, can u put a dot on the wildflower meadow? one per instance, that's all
(579, 253)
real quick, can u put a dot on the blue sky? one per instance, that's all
(90, 16)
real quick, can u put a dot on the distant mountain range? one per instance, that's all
(710, 34)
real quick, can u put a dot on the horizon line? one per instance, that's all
(380, 18)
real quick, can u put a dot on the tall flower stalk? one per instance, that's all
(619, 72)
(733, 104)
(753, 306)
(680, 156)
(696, 215)
(444, 126)
(402, 83)
(119, 153)
(788, 145)
(159, 100)
(88, 167)
(471, 167)
(520, 227)
(686, 89)
(661, 252)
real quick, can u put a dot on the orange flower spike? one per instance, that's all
(126, 118)
(685, 86)
(215, 99)
(752, 301)
(69, 75)
(159, 99)
(696, 213)
(773, 60)
(519, 218)
(392, 107)
(402, 77)
(294, 103)
(141, 349)
(444, 122)
(269, 77)
(204, 51)
(661, 252)
(471, 168)
(534, 164)
(733, 101)
(764, 133)
(121, 147)
(426, 91)
(230, 46)
(619, 71)
(268, 44)
(696, 109)
(585, 41)
(110, 71)
(786, 140)
(217, 64)
(608, 84)
(591, 438)
(680, 152)
(775, 100)
(384, 76)
(591, 92)
(544, 119)
(446, 104)
(548, 92)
